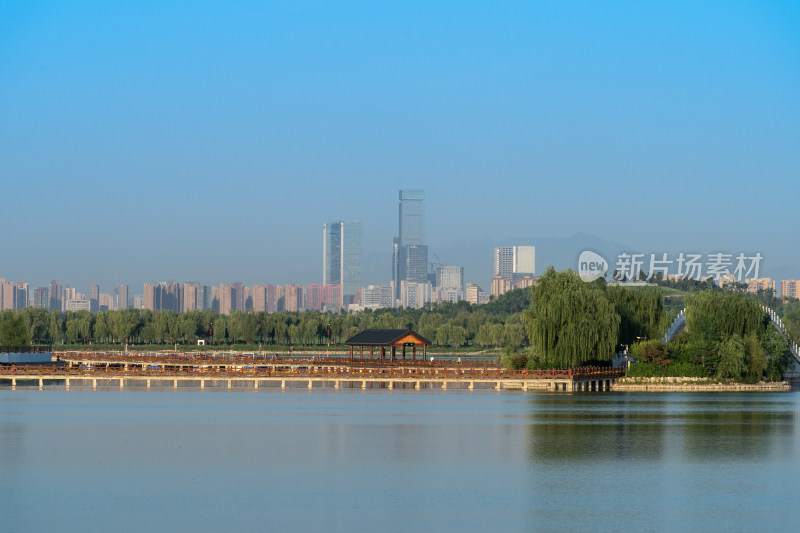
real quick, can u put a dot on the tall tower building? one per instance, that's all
(122, 297)
(342, 262)
(94, 298)
(56, 296)
(409, 251)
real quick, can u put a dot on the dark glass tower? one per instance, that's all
(409, 251)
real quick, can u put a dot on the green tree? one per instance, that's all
(571, 322)
(14, 330)
(731, 358)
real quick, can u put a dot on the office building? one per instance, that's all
(514, 261)
(409, 251)
(377, 296)
(122, 297)
(341, 257)
(94, 298)
(451, 277)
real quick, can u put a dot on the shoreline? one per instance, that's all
(687, 384)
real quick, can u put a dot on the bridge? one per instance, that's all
(792, 372)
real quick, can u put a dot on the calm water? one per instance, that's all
(111, 460)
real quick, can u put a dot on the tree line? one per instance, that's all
(727, 336)
(496, 324)
(572, 323)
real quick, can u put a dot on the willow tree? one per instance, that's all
(712, 317)
(641, 312)
(570, 322)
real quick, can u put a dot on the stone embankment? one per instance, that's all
(695, 384)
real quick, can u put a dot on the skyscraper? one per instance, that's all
(122, 297)
(409, 251)
(341, 257)
(94, 298)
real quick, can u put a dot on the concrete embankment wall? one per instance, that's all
(694, 384)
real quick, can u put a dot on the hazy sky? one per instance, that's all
(211, 141)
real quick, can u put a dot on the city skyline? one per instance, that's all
(215, 155)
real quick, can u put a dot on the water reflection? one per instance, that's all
(743, 430)
(588, 429)
(616, 428)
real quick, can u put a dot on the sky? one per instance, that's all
(210, 141)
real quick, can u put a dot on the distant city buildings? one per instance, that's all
(414, 294)
(760, 284)
(475, 295)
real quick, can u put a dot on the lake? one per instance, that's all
(189, 460)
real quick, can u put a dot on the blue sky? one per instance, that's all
(210, 141)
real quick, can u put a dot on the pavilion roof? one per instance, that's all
(384, 337)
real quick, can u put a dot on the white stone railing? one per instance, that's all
(678, 324)
(776, 320)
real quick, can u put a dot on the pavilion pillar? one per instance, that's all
(414, 352)
(361, 353)
(351, 353)
(404, 352)
(371, 351)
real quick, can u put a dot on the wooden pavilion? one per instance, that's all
(391, 343)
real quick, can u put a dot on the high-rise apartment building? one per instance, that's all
(514, 261)
(760, 284)
(500, 285)
(56, 296)
(8, 295)
(106, 302)
(190, 297)
(409, 251)
(790, 288)
(475, 295)
(259, 296)
(341, 257)
(41, 298)
(163, 296)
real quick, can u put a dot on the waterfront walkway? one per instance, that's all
(598, 382)
(176, 371)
